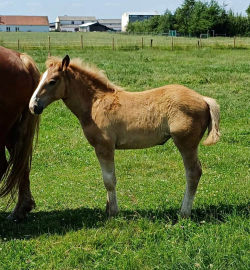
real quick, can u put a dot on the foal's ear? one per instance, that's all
(65, 62)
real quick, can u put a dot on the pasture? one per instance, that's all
(69, 228)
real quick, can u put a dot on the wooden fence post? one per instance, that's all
(200, 42)
(151, 43)
(18, 44)
(234, 42)
(49, 47)
(142, 42)
(172, 43)
(113, 44)
(81, 43)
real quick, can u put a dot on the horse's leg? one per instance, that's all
(3, 161)
(189, 152)
(193, 175)
(25, 202)
(106, 159)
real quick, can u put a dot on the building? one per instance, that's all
(114, 24)
(72, 23)
(24, 24)
(136, 16)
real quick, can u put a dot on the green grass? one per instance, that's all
(69, 229)
(57, 40)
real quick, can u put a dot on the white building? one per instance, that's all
(136, 16)
(72, 23)
(24, 24)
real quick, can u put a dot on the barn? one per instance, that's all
(136, 16)
(114, 24)
(94, 27)
(24, 24)
(72, 23)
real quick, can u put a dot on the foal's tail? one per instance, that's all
(20, 145)
(213, 126)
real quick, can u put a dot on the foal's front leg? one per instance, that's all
(106, 159)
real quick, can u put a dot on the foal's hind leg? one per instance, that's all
(193, 174)
(106, 159)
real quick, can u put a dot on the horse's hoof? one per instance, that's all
(14, 218)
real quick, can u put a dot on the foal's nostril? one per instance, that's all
(37, 110)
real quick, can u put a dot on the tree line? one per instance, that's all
(193, 18)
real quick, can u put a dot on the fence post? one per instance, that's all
(18, 44)
(200, 41)
(81, 43)
(142, 42)
(113, 44)
(49, 47)
(151, 43)
(234, 42)
(172, 43)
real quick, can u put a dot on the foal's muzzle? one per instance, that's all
(36, 106)
(37, 109)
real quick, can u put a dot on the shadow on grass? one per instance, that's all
(62, 221)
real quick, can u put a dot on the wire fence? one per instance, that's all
(48, 41)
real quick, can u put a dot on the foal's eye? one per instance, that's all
(52, 82)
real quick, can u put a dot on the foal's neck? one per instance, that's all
(83, 89)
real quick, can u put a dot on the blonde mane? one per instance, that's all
(76, 64)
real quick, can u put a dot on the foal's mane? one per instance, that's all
(92, 71)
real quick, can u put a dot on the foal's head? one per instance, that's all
(52, 86)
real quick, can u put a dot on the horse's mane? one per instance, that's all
(76, 64)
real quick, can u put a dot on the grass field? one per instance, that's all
(69, 229)
(118, 41)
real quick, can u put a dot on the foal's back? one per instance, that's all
(148, 118)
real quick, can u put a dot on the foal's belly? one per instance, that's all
(141, 140)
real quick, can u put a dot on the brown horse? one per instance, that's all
(112, 118)
(19, 78)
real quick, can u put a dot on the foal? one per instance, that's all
(112, 118)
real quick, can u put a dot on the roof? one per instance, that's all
(110, 21)
(87, 24)
(24, 20)
(69, 26)
(76, 18)
(142, 13)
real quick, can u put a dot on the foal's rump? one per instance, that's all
(192, 114)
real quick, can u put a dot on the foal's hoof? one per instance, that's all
(111, 212)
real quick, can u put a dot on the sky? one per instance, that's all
(101, 9)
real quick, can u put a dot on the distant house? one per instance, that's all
(114, 24)
(136, 16)
(72, 23)
(24, 24)
(94, 27)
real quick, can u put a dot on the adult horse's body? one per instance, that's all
(19, 77)
(115, 119)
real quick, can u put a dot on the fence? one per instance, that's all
(48, 41)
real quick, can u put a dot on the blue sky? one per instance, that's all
(101, 9)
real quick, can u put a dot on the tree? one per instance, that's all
(248, 11)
